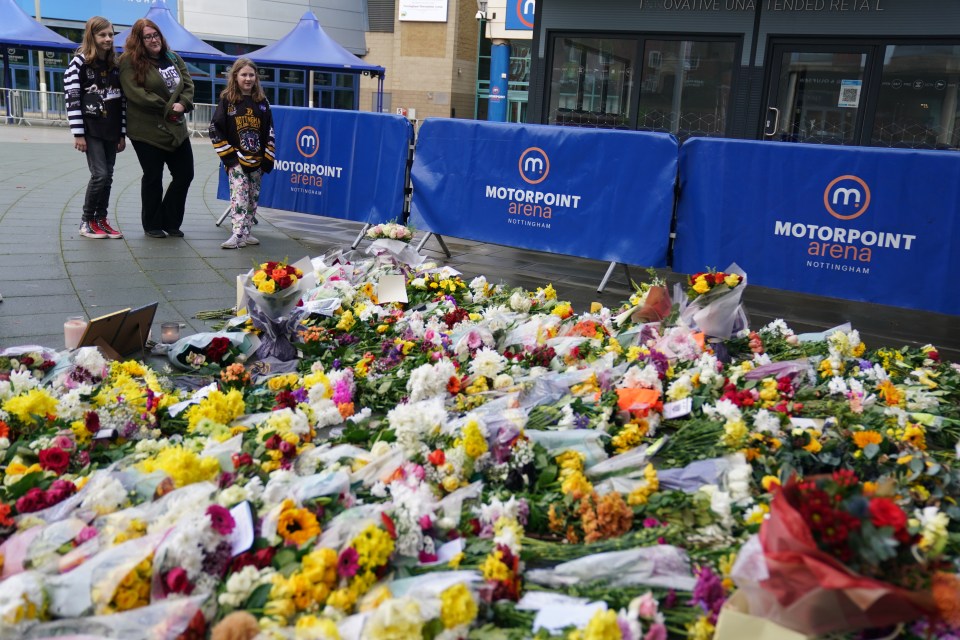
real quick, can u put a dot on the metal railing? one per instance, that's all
(23, 106)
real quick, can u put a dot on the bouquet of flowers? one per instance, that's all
(32, 361)
(712, 302)
(274, 290)
(839, 555)
(390, 231)
(212, 351)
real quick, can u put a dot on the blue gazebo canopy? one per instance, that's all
(187, 45)
(18, 29)
(308, 46)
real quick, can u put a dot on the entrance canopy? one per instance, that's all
(187, 45)
(17, 29)
(308, 46)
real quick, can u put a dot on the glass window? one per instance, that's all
(917, 106)
(291, 76)
(591, 82)
(685, 87)
(291, 97)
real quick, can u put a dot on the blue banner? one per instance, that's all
(600, 194)
(520, 14)
(339, 164)
(119, 12)
(875, 225)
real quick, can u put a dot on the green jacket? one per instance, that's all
(149, 105)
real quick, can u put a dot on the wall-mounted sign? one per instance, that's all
(520, 14)
(423, 10)
(120, 12)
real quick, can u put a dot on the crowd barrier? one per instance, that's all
(349, 165)
(22, 106)
(600, 194)
(867, 224)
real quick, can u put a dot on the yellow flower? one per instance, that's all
(297, 526)
(217, 407)
(259, 276)
(397, 619)
(454, 561)
(450, 483)
(650, 485)
(735, 432)
(183, 466)
(732, 280)
(702, 629)
(346, 321)
(700, 285)
(915, 434)
(310, 627)
(474, 444)
(602, 626)
(576, 484)
(769, 482)
(549, 293)
(457, 606)
(494, 569)
(34, 404)
(267, 286)
(814, 445)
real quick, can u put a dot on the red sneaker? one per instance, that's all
(106, 228)
(89, 229)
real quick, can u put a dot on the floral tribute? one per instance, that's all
(711, 281)
(461, 465)
(389, 231)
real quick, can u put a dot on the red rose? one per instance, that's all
(437, 457)
(884, 512)
(263, 557)
(718, 277)
(54, 459)
(91, 421)
(217, 349)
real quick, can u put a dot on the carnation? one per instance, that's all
(487, 362)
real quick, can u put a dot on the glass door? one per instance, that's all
(817, 93)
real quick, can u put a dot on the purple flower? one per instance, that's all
(649, 523)
(582, 421)
(708, 593)
(221, 519)
(348, 563)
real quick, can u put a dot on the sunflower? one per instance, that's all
(297, 526)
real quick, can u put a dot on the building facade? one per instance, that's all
(849, 72)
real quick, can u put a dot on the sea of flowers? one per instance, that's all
(482, 462)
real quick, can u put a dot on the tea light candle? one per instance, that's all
(169, 332)
(73, 330)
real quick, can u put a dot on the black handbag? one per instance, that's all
(93, 105)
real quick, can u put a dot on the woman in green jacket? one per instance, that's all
(159, 92)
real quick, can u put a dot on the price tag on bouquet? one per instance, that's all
(678, 409)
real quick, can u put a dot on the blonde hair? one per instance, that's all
(88, 47)
(232, 92)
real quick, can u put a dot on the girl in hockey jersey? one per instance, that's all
(242, 135)
(96, 110)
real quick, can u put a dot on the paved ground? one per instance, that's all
(49, 271)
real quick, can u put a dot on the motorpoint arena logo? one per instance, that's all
(846, 197)
(534, 165)
(308, 141)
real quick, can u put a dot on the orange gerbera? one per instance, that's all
(4, 430)
(946, 594)
(297, 526)
(864, 438)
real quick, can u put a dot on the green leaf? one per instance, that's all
(24, 484)
(258, 599)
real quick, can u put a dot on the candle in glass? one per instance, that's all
(169, 332)
(73, 330)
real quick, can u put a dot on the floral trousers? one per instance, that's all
(244, 193)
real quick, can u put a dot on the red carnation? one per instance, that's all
(91, 420)
(884, 512)
(54, 459)
(177, 581)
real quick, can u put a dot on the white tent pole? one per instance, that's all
(310, 88)
(43, 71)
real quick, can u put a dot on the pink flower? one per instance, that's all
(87, 533)
(427, 557)
(33, 500)
(425, 522)
(221, 519)
(657, 632)
(348, 563)
(646, 606)
(63, 442)
(177, 581)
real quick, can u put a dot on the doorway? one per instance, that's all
(817, 93)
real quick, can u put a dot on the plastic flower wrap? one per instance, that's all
(31, 360)
(714, 302)
(212, 351)
(274, 289)
(23, 601)
(833, 557)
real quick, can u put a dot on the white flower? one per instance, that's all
(105, 495)
(838, 386)
(520, 302)
(430, 380)
(738, 479)
(487, 362)
(723, 409)
(326, 413)
(90, 359)
(502, 381)
(680, 388)
(415, 420)
(645, 378)
(766, 422)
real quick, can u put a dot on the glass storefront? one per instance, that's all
(683, 86)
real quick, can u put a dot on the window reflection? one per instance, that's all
(592, 81)
(685, 89)
(917, 106)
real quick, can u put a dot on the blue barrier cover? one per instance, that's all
(340, 164)
(605, 195)
(876, 225)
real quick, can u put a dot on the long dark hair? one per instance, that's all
(135, 50)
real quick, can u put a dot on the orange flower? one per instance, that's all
(946, 595)
(4, 430)
(5, 519)
(346, 409)
(890, 394)
(453, 385)
(864, 438)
